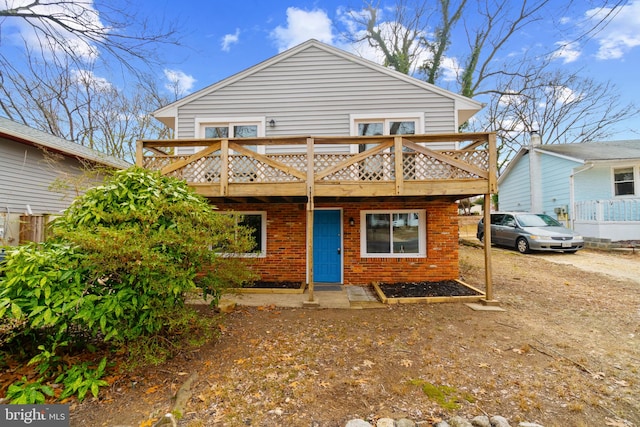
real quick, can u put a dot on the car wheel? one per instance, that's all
(522, 245)
(481, 238)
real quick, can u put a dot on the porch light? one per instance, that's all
(271, 123)
(352, 221)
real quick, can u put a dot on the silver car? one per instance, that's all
(528, 231)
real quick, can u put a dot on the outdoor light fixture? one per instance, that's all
(352, 221)
(272, 123)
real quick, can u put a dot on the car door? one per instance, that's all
(506, 232)
(496, 219)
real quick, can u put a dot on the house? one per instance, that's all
(593, 187)
(33, 165)
(348, 171)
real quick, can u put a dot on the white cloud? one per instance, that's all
(178, 81)
(230, 39)
(621, 34)
(563, 94)
(301, 26)
(566, 51)
(88, 78)
(81, 16)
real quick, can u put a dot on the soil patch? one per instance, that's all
(564, 353)
(444, 288)
(274, 285)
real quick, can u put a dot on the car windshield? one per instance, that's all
(537, 220)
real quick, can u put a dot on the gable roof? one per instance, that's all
(582, 152)
(465, 107)
(30, 136)
(597, 151)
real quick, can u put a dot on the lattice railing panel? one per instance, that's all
(249, 169)
(378, 167)
(375, 168)
(418, 166)
(204, 170)
(477, 158)
(296, 161)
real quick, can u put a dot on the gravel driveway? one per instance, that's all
(621, 265)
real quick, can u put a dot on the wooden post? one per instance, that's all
(487, 252)
(139, 158)
(399, 164)
(224, 167)
(310, 207)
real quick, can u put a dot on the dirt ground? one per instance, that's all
(565, 352)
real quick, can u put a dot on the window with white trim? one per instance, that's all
(246, 127)
(624, 181)
(397, 233)
(385, 124)
(257, 222)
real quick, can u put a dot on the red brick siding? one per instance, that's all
(286, 243)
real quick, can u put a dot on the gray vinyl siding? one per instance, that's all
(26, 176)
(313, 93)
(514, 192)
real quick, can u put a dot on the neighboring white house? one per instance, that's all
(593, 187)
(31, 163)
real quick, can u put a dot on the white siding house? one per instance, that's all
(593, 187)
(31, 163)
(316, 89)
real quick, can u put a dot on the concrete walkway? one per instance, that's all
(325, 296)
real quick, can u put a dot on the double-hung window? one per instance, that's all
(385, 124)
(624, 181)
(397, 233)
(240, 127)
(256, 221)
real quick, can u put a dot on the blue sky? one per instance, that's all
(222, 38)
(231, 36)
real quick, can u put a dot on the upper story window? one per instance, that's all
(385, 124)
(226, 130)
(397, 234)
(240, 127)
(624, 181)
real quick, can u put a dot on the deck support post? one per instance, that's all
(487, 253)
(310, 208)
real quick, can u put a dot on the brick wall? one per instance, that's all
(286, 243)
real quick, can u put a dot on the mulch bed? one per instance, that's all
(444, 288)
(274, 285)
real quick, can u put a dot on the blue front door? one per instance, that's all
(327, 246)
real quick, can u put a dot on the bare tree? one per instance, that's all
(400, 39)
(79, 106)
(76, 30)
(55, 87)
(563, 107)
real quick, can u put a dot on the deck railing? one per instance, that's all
(612, 210)
(398, 160)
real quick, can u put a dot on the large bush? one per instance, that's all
(119, 266)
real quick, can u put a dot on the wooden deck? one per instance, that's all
(309, 168)
(233, 168)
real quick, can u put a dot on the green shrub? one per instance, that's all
(119, 264)
(24, 392)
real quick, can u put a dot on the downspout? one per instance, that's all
(572, 196)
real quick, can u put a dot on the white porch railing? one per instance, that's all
(620, 210)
